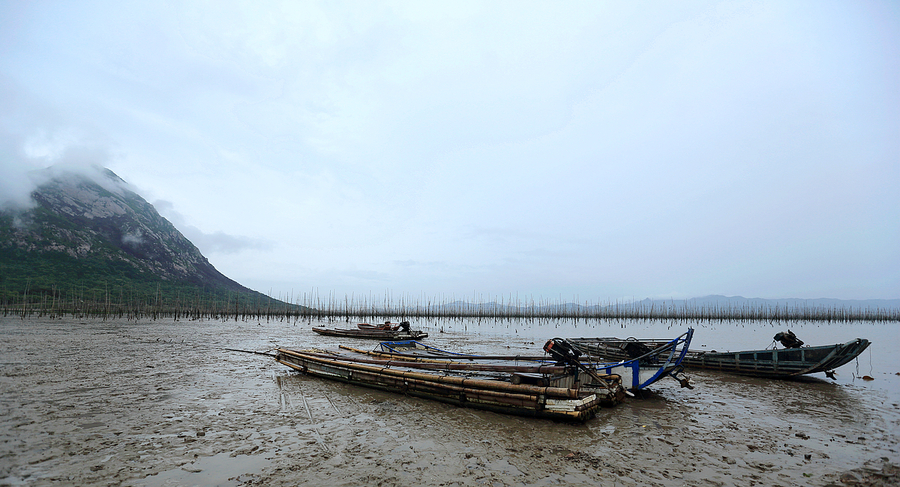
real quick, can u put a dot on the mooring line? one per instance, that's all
(332, 404)
(306, 405)
(319, 438)
(249, 351)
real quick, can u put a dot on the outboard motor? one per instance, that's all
(567, 355)
(636, 349)
(788, 339)
(562, 351)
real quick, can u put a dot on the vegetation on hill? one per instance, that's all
(58, 284)
(90, 245)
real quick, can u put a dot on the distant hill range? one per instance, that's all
(707, 307)
(707, 302)
(89, 237)
(739, 301)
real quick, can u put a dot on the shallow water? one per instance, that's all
(161, 403)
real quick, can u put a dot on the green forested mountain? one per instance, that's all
(88, 238)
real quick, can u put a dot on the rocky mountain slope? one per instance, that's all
(87, 227)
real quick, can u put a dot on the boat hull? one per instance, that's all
(773, 363)
(371, 334)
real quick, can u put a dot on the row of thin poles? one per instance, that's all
(331, 307)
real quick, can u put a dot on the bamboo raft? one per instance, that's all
(564, 392)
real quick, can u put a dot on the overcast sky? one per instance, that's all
(585, 151)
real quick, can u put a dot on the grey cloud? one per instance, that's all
(716, 147)
(209, 243)
(223, 242)
(134, 239)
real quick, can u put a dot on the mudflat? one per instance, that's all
(154, 403)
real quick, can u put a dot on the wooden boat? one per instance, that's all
(375, 332)
(771, 363)
(563, 392)
(636, 373)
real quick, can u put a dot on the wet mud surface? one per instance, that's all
(162, 403)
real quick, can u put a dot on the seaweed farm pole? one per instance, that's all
(25, 298)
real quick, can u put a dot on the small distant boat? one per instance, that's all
(565, 391)
(637, 373)
(770, 363)
(387, 331)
